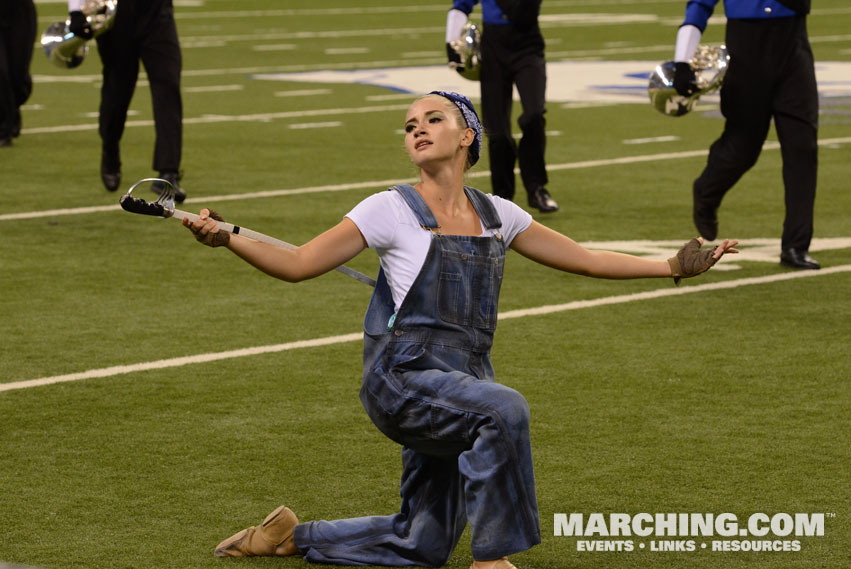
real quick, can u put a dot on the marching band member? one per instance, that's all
(143, 30)
(512, 55)
(17, 34)
(771, 76)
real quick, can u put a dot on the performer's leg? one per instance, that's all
(7, 95)
(497, 89)
(424, 533)
(796, 120)
(487, 425)
(162, 59)
(499, 479)
(733, 154)
(799, 147)
(746, 106)
(17, 37)
(22, 34)
(531, 81)
(120, 60)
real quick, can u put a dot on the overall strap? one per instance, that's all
(484, 207)
(418, 205)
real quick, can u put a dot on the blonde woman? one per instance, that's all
(428, 381)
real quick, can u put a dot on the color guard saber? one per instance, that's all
(164, 207)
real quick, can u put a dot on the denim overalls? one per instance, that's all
(429, 385)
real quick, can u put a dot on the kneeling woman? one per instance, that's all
(428, 381)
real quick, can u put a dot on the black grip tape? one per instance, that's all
(138, 205)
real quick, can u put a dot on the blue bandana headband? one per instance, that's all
(470, 116)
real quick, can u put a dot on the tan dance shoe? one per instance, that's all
(274, 537)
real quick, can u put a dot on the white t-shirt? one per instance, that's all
(389, 226)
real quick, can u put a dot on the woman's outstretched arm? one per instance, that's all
(321, 254)
(551, 248)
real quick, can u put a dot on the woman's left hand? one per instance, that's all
(728, 246)
(691, 260)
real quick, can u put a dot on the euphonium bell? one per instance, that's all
(67, 50)
(709, 65)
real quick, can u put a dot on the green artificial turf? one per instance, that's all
(733, 400)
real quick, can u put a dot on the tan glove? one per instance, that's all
(691, 260)
(213, 239)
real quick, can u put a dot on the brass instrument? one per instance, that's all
(709, 64)
(469, 48)
(67, 50)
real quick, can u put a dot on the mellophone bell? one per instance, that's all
(709, 65)
(468, 46)
(65, 49)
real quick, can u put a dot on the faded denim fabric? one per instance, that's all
(429, 385)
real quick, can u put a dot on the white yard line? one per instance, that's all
(663, 292)
(211, 89)
(307, 125)
(303, 92)
(378, 184)
(357, 336)
(176, 362)
(275, 47)
(348, 50)
(651, 139)
(212, 119)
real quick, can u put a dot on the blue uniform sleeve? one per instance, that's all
(698, 13)
(465, 6)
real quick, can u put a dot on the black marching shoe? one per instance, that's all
(797, 259)
(110, 170)
(172, 178)
(16, 126)
(5, 141)
(705, 219)
(111, 179)
(541, 200)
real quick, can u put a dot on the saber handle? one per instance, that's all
(257, 236)
(236, 230)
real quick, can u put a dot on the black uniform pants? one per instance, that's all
(153, 41)
(512, 58)
(771, 75)
(17, 37)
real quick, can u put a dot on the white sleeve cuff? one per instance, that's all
(688, 37)
(455, 22)
(75, 5)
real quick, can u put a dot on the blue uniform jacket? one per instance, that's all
(491, 14)
(698, 11)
